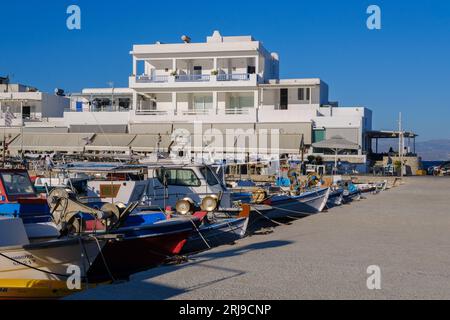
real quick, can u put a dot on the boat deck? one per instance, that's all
(405, 231)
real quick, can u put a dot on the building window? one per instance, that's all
(304, 94)
(241, 101)
(197, 70)
(203, 103)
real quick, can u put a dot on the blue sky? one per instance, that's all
(403, 67)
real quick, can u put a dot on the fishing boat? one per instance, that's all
(18, 199)
(305, 204)
(40, 270)
(146, 239)
(336, 197)
(216, 231)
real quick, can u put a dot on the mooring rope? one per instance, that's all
(203, 238)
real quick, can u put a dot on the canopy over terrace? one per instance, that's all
(111, 142)
(336, 143)
(50, 142)
(377, 135)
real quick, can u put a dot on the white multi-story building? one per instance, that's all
(28, 105)
(224, 83)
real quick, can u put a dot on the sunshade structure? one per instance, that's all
(336, 143)
(150, 143)
(111, 142)
(50, 142)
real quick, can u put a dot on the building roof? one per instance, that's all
(336, 143)
(214, 43)
(390, 134)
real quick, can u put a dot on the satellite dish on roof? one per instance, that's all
(59, 92)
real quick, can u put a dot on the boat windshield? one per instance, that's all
(210, 177)
(17, 183)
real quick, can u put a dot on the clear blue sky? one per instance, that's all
(404, 67)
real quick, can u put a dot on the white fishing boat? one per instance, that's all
(40, 270)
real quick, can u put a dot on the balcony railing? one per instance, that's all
(233, 77)
(237, 111)
(152, 79)
(196, 112)
(152, 112)
(192, 78)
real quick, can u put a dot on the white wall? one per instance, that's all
(53, 106)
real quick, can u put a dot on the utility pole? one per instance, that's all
(111, 84)
(400, 143)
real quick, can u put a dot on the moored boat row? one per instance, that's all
(123, 219)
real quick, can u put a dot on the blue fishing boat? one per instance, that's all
(305, 204)
(336, 198)
(216, 231)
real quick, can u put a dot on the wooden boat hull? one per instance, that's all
(352, 196)
(216, 234)
(40, 271)
(336, 198)
(298, 206)
(140, 250)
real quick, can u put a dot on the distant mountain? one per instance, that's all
(434, 150)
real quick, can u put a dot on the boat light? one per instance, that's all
(185, 206)
(210, 203)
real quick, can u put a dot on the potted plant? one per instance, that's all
(214, 72)
(398, 167)
(173, 73)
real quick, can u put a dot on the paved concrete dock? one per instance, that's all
(405, 231)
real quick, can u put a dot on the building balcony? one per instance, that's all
(193, 80)
(231, 115)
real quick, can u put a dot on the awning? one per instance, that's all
(50, 142)
(110, 128)
(151, 128)
(111, 142)
(336, 142)
(149, 143)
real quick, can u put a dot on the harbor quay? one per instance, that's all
(403, 231)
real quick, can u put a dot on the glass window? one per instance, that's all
(178, 177)
(301, 94)
(203, 103)
(238, 102)
(209, 176)
(304, 94)
(17, 183)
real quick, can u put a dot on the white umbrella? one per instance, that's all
(336, 143)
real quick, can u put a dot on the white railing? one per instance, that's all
(192, 78)
(152, 112)
(152, 79)
(237, 111)
(196, 112)
(233, 77)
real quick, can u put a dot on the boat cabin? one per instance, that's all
(170, 182)
(111, 182)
